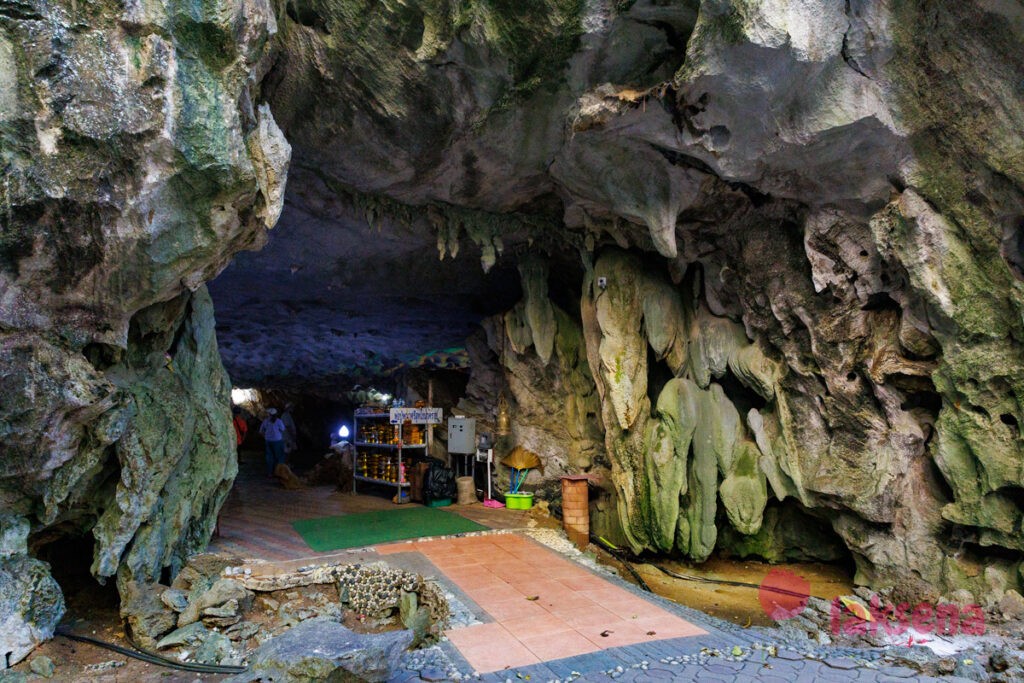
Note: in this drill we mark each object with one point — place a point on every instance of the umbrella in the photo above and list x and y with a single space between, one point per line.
522 459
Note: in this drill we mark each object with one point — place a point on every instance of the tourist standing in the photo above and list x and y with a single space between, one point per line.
273 430
241 426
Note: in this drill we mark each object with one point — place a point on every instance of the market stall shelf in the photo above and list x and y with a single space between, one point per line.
386 442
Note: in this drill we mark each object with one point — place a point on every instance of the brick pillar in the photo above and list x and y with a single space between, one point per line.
576 509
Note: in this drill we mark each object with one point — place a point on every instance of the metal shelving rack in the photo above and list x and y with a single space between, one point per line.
392 451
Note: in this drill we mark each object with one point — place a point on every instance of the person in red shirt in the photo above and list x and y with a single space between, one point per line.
241 426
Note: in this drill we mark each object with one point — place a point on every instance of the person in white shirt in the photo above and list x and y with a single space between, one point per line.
273 429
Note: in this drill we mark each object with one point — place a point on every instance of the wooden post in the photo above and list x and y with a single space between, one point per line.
430 428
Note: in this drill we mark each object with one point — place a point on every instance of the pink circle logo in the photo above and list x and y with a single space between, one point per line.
783 594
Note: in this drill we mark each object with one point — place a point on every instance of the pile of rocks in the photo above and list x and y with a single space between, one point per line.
990 649
378 591
216 612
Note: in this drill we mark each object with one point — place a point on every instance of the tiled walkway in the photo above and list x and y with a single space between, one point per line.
544 607
580 626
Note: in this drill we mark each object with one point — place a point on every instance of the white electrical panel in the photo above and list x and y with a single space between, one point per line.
461 435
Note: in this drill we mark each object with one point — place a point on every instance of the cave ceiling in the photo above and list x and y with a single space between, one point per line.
332 301
402 148
413 138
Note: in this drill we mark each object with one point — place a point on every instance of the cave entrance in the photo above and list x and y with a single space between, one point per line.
90 606
303 511
336 312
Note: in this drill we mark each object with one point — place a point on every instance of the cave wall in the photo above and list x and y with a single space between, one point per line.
847 181
135 163
807 215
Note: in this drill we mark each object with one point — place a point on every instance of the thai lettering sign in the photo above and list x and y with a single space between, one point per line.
420 416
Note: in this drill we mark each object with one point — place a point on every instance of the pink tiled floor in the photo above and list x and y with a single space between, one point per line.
544 607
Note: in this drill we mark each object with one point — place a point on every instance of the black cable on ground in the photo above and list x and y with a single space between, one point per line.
619 555
151 657
727 582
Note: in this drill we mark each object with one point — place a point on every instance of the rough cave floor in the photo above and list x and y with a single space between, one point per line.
543 616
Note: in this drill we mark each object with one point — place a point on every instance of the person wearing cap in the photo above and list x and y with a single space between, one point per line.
273 430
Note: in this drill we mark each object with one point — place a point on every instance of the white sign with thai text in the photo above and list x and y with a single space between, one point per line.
420 416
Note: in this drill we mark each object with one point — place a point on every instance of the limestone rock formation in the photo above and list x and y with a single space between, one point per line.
31 602
322 649
775 249
30 609
135 163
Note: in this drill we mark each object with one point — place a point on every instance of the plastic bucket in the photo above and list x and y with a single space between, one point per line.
519 501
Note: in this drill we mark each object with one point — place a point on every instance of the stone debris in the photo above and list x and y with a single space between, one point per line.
220 593
1011 606
43 666
192 635
557 541
242 631
267 603
146 614
228 609
224 616
216 648
175 599
305 576
320 649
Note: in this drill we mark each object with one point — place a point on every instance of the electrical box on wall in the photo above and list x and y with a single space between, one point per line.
461 435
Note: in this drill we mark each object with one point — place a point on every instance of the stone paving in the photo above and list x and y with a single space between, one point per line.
724 652
252 525
538 605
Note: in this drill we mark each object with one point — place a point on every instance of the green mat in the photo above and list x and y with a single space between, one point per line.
371 528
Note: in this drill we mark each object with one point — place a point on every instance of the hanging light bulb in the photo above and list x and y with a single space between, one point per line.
503 426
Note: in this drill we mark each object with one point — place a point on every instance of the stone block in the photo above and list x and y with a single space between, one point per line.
320 649
31 606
